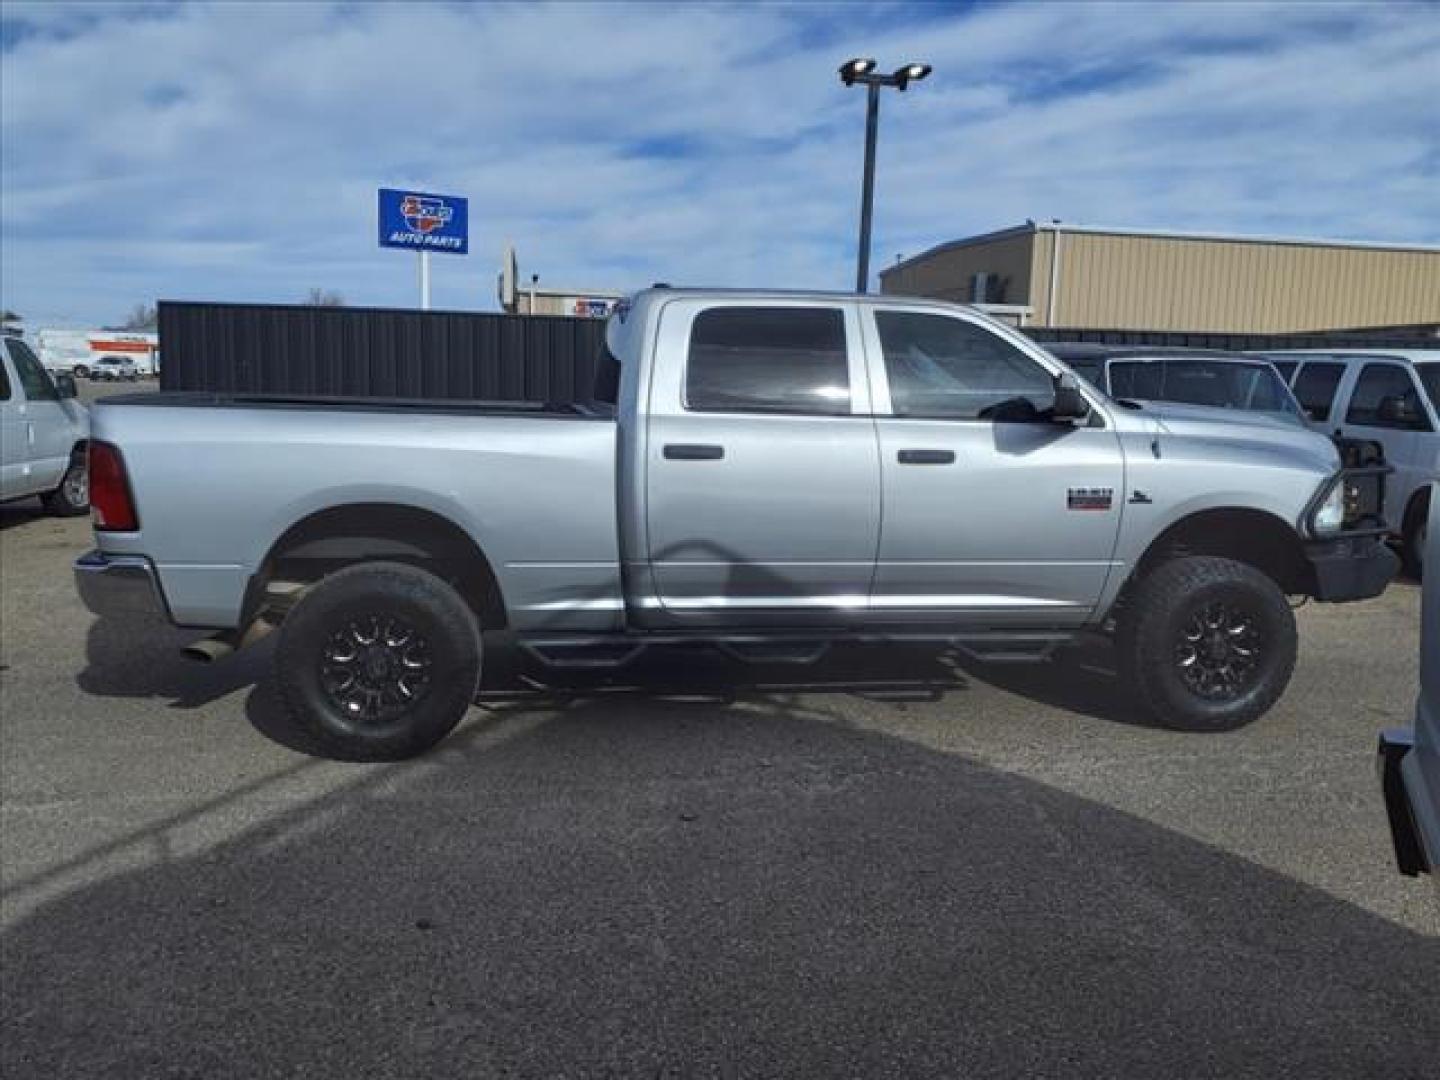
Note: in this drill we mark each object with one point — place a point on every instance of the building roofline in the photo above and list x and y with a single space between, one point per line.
966 241
560 290
1031 228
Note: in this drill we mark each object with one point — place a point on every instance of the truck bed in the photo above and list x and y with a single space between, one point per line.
217 478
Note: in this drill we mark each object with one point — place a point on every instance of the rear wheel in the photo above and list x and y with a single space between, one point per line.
72 497
378 662
1207 644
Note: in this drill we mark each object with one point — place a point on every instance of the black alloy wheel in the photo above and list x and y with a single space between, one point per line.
375 668
1206 643
376 662
1219 651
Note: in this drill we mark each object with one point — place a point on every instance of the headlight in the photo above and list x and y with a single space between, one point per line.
1330 514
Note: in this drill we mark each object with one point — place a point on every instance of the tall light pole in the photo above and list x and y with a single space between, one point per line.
862 71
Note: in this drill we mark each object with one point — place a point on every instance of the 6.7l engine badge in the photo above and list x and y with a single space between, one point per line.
1090 498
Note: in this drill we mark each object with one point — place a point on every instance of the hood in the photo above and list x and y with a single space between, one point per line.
1174 411
1237 427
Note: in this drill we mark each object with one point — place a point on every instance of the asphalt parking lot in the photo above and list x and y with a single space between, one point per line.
890 864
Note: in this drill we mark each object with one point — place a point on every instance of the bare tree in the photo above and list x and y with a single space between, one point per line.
324 298
142 317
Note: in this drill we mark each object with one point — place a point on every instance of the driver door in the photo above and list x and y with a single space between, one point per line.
992 512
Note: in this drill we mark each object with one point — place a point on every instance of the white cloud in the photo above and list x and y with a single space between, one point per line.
232 152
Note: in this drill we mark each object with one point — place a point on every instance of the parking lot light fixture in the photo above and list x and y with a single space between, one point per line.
862 71
911 73
853 69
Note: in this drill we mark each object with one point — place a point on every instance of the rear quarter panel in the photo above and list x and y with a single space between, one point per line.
216 487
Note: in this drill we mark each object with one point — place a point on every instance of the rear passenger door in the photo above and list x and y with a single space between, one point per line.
44 434
14 453
762 475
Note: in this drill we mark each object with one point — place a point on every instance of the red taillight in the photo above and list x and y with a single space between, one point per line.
111 507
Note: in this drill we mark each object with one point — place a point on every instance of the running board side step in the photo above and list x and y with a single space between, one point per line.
617 650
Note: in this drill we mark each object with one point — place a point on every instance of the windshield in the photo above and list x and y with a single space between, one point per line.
1430 378
1225 384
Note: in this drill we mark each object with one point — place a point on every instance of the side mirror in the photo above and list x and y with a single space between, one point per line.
1396 411
65 385
1070 404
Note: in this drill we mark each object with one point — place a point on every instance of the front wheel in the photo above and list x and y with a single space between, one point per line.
377 662
1207 644
72 497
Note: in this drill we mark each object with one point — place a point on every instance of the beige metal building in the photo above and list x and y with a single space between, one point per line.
1126 279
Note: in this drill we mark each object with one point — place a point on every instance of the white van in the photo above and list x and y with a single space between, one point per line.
1391 396
43 433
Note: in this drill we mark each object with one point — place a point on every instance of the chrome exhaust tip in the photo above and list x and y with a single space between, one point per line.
208 650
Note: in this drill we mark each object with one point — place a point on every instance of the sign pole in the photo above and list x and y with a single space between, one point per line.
424 223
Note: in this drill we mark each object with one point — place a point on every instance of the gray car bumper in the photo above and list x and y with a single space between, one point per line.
119 585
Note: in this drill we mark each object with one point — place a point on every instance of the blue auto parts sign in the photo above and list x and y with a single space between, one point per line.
421 221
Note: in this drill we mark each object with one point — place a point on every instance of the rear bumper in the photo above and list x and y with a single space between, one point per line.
119 585
1351 568
1395 744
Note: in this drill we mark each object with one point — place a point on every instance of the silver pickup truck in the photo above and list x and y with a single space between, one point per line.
767 472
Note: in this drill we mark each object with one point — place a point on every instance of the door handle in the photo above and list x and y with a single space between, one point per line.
927 457
693 452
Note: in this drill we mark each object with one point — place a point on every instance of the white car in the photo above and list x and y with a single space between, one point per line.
43 433
1391 396
114 369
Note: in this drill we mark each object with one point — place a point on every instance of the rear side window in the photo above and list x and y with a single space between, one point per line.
4 384
1315 388
1378 382
34 379
758 359
949 369
1286 368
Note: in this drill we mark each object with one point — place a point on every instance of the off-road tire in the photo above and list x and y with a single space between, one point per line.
418 600
72 497
1153 623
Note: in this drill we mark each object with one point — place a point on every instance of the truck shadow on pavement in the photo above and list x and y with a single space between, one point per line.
746 888
21 512
141 658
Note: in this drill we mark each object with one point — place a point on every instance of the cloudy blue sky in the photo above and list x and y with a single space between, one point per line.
232 151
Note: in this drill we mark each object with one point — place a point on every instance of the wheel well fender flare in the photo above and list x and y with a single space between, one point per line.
1417 506
1258 538
343 535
